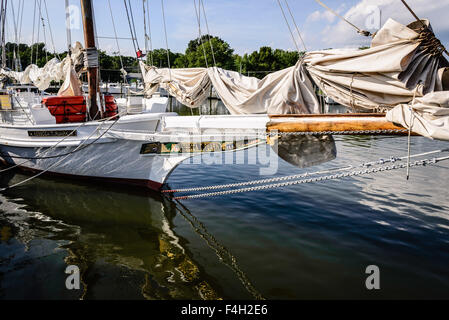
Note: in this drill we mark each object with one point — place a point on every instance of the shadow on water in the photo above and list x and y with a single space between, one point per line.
122 240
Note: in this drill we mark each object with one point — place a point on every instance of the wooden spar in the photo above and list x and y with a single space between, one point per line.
89 40
334 122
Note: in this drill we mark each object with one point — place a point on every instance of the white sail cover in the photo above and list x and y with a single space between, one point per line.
402 62
289 91
427 116
54 70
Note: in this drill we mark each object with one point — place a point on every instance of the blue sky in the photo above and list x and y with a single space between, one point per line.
246 25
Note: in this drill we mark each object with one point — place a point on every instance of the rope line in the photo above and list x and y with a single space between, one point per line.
166 38
150 38
223 254
360 31
318 179
296 26
303 175
200 36
133 36
116 41
208 33
51 32
288 25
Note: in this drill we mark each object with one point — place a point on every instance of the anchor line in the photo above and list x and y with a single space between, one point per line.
303 175
222 253
317 179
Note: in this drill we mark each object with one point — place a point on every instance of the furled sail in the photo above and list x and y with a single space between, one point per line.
54 70
289 91
427 116
71 86
403 62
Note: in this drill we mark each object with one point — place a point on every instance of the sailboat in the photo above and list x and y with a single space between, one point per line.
92 140
72 136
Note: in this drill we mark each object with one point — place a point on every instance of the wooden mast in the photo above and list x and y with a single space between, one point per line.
92 67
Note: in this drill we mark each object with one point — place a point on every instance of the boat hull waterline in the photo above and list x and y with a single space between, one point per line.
114 151
122 151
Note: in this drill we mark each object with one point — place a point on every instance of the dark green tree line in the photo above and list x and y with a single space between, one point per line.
214 50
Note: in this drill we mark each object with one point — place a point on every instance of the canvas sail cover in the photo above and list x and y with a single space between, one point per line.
427 116
71 86
54 70
402 62
289 91
403 72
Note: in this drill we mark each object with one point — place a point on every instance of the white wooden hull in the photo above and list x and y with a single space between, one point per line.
117 161
93 154
113 150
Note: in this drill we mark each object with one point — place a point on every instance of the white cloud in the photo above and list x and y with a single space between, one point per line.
321 15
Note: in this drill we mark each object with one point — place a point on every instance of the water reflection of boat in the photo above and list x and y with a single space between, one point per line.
136 240
307 151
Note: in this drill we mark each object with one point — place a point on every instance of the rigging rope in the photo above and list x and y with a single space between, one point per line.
288 25
166 38
116 41
38 33
360 31
149 33
438 43
32 36
208 33
3 14
16 51
68 27
145 26
43 30
133 36
296 26
133 24
200 36
20 32
409 141
51 32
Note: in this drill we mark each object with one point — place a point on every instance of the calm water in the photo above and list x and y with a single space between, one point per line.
306 241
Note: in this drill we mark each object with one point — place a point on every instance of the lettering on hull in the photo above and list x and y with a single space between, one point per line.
53 133
197 147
